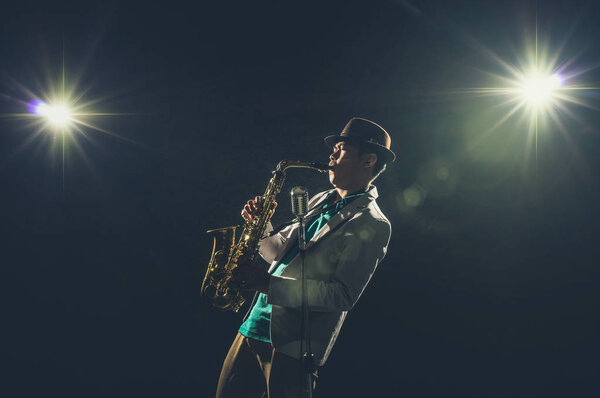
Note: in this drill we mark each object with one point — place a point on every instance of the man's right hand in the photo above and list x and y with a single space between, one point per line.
253 207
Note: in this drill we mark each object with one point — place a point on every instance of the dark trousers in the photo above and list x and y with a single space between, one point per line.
254 369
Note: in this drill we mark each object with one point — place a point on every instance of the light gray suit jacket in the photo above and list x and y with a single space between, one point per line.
340 260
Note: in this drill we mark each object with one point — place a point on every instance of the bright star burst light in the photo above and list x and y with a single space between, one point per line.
542 89
58 116
62 111
539 89
58 110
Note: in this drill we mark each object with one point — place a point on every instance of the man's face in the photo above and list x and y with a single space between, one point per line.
346 161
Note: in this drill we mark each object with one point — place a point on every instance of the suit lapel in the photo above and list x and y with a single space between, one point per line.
344 215
285 248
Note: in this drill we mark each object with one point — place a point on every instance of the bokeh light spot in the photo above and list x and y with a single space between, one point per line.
365 234
443 173
412 196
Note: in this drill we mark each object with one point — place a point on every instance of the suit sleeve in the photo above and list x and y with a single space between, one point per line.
362 251
271 245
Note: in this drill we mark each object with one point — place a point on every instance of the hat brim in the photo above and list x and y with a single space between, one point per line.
387 155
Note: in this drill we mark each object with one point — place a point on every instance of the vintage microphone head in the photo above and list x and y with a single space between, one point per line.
299 196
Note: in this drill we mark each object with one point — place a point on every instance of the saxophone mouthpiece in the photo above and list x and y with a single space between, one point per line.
322 167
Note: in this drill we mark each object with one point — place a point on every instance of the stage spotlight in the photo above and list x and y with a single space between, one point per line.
57 115
538 89
58 108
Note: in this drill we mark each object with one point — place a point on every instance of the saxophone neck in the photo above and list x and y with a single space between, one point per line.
287 164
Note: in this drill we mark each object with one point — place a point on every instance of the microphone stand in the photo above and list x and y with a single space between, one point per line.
307 356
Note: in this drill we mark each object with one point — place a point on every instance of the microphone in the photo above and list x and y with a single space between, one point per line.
299 196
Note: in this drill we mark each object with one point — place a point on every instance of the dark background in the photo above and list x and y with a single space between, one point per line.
489 288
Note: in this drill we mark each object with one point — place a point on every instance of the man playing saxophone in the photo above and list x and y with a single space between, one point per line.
346 237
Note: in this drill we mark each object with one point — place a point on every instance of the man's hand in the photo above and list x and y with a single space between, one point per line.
249 276
253 207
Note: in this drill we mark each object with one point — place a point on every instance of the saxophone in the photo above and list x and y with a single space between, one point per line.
226 254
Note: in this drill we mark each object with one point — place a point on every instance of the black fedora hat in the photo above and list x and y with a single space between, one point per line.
368 134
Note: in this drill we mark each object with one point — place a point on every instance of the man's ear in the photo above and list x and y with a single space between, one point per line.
369 160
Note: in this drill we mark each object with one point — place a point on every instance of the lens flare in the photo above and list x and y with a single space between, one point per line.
58 116
539 89
64 110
